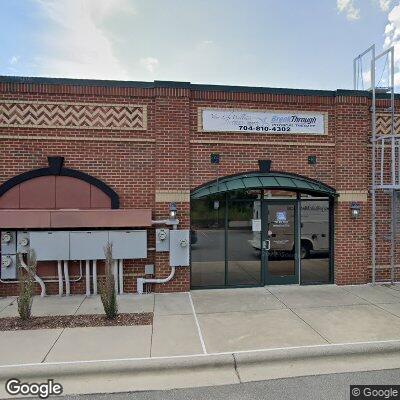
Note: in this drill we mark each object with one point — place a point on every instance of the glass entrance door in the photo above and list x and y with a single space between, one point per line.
280 237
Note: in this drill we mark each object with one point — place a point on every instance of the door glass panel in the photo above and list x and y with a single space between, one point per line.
314 241
243 243
280 231
208 241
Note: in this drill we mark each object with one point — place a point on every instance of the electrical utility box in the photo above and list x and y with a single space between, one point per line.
128 244
162 239
9 266
23 242
88 245
50 245
8 242
179 248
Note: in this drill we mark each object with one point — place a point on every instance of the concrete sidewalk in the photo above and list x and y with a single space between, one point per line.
235 322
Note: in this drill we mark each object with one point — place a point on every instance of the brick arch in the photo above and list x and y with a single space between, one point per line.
56 187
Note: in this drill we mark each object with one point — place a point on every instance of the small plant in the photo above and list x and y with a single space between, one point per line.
108 293
26 280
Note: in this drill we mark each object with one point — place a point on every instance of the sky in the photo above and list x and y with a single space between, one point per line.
274 43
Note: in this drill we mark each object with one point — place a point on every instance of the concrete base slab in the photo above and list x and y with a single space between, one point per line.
175 335
102 343
91 305
56 305
393 308
5 302
134 303
172 304
314 296
226 332
357 323
22 347
229 300
375 294
10 309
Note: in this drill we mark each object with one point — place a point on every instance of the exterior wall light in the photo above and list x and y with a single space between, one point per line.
172 211
355 210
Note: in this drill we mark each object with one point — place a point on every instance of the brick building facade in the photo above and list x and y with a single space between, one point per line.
144 140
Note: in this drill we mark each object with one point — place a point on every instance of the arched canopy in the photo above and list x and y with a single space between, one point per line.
264 180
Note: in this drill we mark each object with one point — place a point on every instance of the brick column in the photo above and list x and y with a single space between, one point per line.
172 174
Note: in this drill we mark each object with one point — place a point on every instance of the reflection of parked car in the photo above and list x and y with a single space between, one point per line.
193 236
314 229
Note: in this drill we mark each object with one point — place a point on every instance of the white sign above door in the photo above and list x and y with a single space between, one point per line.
309 123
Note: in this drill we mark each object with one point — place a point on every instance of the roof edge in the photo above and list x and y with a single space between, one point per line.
187 85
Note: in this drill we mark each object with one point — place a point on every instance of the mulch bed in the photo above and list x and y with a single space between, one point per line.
74 321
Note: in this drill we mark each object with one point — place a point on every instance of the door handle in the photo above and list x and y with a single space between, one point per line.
266 245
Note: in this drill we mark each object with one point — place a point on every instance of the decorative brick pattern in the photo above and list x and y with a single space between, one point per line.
29 114
383 124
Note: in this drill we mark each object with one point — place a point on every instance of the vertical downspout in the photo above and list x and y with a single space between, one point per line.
60 278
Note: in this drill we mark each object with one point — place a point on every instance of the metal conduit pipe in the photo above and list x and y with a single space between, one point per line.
121 276
94 276
115 274
142 281
87 274
37 279
60 278
66 275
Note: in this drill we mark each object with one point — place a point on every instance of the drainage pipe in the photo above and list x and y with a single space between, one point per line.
37 279
121 276
66 275
94 276
60 278
115 273
87 274
142 281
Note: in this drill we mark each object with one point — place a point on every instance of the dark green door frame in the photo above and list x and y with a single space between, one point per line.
267 278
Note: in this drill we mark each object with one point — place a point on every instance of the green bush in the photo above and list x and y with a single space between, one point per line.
108 294
26 285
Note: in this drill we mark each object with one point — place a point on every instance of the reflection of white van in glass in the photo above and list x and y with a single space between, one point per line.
314 227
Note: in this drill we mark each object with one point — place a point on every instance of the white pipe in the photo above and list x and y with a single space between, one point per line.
37 279
94 276
66 276
115 273
121 276
142 281
87 274
60 278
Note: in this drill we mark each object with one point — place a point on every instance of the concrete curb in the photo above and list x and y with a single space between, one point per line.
207 369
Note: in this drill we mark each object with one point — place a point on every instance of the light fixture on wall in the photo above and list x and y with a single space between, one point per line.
172 211
355 210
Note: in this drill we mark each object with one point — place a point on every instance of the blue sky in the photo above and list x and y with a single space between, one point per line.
277 43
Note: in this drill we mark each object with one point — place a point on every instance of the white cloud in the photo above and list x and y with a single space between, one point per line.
14 60
78 46
149 63
349 9
385 4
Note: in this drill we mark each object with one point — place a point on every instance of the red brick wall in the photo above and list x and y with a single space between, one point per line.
173 155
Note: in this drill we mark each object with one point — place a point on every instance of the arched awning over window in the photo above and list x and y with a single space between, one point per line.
264 180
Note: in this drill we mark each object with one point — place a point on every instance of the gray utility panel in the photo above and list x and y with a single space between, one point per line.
88 245
162 239
23 242
8 242
179 248
128 244
50 245
9 266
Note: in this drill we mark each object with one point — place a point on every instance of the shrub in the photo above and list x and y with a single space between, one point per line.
108 293
26 285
